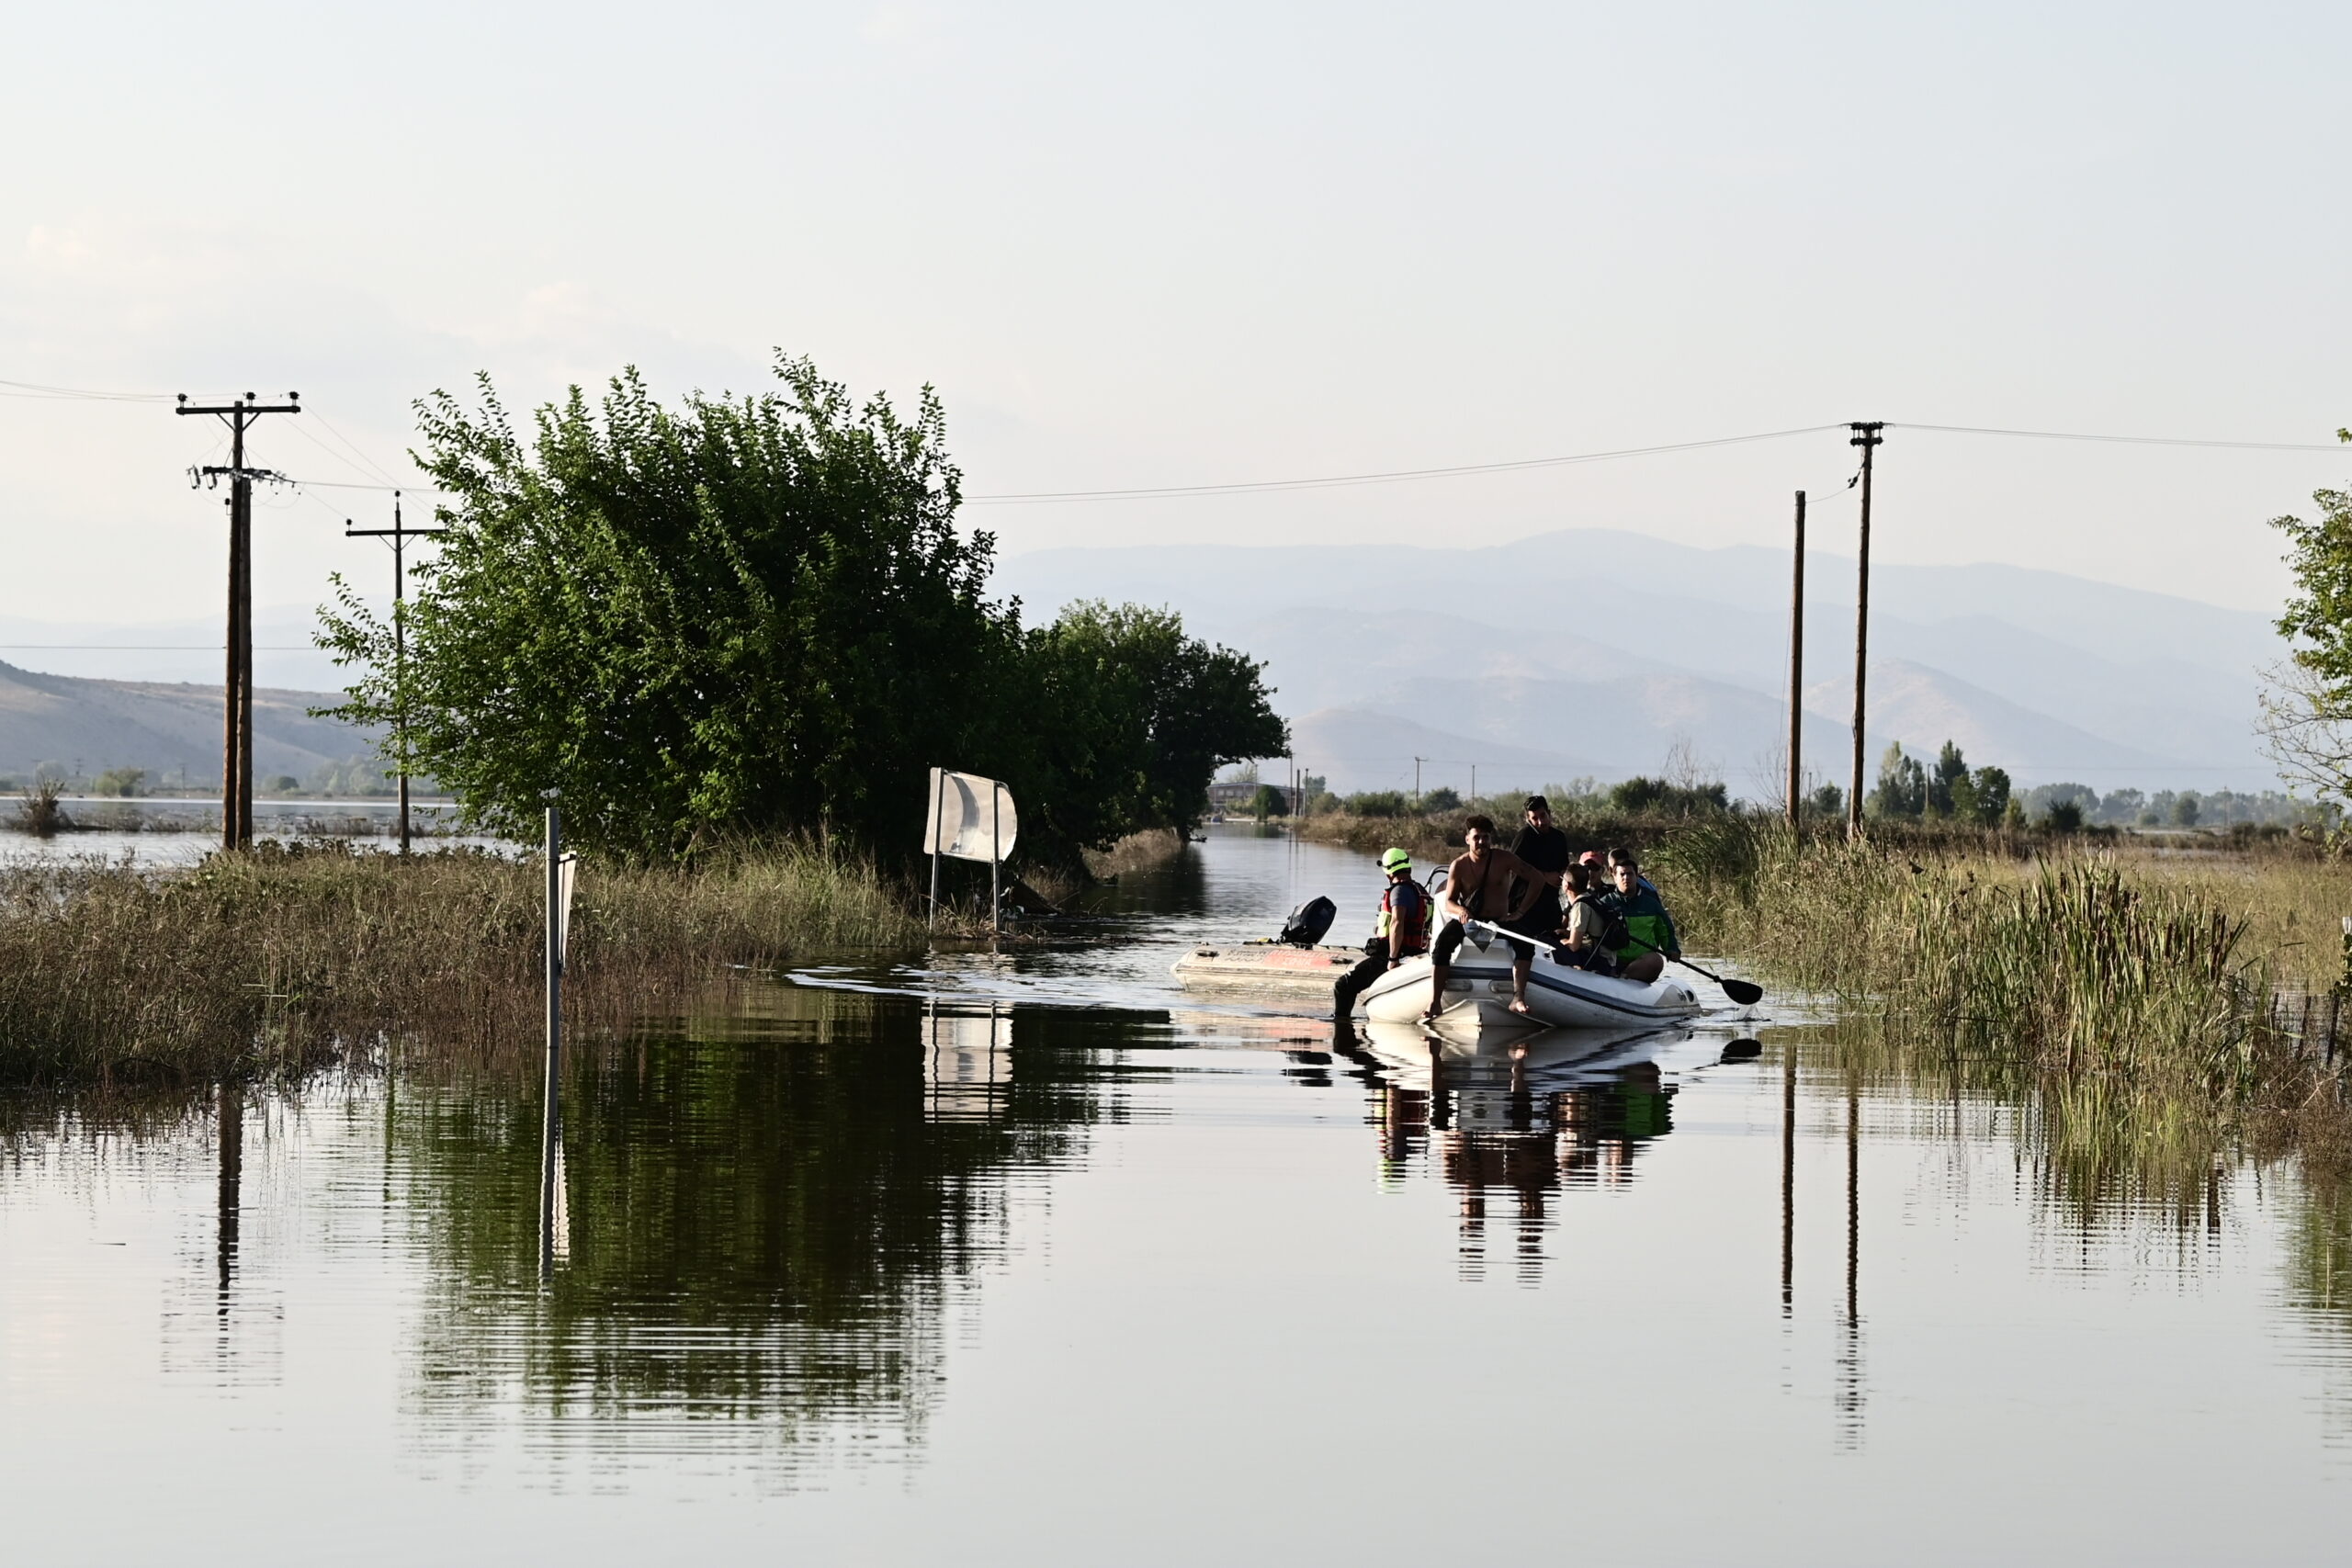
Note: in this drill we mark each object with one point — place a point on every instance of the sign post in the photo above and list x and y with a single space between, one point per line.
561 870
971 818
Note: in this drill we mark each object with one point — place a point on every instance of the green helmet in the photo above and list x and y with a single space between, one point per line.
1395 861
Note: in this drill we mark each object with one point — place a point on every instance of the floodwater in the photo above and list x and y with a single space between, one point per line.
169 833
1038 1261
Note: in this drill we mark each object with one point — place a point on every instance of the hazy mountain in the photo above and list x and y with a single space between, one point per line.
1621 645
187 649
1357 749
172 730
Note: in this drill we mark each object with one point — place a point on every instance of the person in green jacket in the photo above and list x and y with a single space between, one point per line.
1649 925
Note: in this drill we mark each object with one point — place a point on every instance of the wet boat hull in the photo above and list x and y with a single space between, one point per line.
1478 994
1272 966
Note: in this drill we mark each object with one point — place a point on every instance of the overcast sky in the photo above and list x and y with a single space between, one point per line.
1199 244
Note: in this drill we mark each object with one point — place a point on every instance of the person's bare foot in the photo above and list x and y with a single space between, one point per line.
1518 1004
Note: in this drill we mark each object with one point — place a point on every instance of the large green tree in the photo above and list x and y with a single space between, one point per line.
1140 716
756 614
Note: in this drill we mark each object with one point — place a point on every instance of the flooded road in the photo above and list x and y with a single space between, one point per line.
1036 1260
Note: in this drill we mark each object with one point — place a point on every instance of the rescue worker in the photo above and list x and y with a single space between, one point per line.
1402 931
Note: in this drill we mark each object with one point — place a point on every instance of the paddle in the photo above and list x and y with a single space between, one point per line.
1745 992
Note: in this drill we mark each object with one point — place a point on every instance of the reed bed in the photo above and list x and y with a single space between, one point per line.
2143 1014
279 961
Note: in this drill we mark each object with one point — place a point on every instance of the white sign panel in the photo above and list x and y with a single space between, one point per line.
566 871
971 817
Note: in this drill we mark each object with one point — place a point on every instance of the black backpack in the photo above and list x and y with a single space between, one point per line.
1309 922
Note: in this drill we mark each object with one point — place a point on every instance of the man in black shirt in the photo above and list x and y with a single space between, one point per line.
1545 847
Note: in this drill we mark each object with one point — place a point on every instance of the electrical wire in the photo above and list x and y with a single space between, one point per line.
1249 487
79 394
2338 447
366 462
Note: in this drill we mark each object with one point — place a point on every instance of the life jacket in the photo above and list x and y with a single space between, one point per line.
1409 916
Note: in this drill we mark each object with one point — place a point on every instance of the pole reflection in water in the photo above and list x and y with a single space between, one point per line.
774 1219
1788 1179
1849 1394
231 1134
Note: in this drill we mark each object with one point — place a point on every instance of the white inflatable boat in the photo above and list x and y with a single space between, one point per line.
1477 996
1267 967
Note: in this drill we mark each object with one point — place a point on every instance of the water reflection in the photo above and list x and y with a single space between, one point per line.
1517 1119
759 1224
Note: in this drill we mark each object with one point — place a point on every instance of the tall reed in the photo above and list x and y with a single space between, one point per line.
277 960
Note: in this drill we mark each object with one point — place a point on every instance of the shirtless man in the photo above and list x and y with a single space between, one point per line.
1484 875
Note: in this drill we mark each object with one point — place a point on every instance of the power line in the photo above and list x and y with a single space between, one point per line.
85 394
2129 440
1391 476
1261 486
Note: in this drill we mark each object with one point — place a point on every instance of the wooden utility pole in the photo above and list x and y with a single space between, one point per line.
237 695
399 536
1796 679
1867 437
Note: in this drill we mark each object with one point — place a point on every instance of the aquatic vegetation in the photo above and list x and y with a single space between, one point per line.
282 959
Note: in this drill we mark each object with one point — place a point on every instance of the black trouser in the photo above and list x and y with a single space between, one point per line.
1358 980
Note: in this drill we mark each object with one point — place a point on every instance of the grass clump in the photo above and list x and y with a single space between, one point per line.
283 959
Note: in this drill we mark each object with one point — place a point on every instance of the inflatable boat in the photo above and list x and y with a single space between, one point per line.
1267 967
1478 990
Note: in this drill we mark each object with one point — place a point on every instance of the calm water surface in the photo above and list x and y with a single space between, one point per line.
1036 1260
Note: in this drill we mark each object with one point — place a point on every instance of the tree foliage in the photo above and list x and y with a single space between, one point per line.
1950 790
756 614
2306 721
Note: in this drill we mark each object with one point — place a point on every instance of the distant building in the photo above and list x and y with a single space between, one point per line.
1235 797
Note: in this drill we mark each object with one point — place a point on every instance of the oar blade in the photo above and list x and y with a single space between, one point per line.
1745 993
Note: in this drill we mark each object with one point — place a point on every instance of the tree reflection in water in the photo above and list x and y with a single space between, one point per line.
767 1216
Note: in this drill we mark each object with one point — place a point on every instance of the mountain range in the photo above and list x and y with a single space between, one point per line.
81 726
1580 653
1595 652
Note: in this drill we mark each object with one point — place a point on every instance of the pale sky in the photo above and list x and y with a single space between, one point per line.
1201 244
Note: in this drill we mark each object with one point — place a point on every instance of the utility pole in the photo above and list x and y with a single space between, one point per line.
1796 679
237 695
1416 783
1867 437
399 536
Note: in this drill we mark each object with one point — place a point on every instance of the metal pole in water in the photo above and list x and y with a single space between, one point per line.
551 1121
996 857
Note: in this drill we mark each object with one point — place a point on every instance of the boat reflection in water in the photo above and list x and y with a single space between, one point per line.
1522 1116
